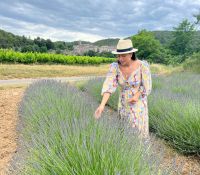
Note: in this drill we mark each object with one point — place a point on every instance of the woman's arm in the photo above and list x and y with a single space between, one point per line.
135 97
100 109
105 98
146 86
109 86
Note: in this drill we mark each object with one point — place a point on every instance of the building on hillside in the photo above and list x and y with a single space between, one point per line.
82 48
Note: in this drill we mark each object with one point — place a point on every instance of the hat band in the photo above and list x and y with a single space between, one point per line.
124 50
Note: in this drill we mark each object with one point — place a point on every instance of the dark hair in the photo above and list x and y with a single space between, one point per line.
133 56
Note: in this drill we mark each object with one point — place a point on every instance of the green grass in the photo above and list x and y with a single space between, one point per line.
193 63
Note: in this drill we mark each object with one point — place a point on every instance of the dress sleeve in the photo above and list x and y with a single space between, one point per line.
110 84
146 83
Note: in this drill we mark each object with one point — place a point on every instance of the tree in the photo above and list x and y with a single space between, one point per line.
27 48
36 48
183 36
40 42
60 45
196 42
49 44
148 47
197 16
43 49
69 46
106 54
90 53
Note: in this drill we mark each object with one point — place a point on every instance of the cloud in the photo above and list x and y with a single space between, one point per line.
92 19
56 34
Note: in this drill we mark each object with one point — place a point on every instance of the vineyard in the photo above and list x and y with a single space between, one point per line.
10 56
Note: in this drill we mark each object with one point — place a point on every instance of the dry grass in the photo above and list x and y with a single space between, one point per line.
163 69
13 86
10 71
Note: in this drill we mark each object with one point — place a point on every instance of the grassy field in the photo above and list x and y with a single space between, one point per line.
164 69
10 71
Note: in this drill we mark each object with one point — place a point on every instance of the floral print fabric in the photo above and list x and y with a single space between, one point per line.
139 80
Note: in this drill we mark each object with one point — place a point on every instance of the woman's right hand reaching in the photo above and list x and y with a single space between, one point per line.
98 112
100 109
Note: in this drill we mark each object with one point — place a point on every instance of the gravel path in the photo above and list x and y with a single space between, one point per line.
62 79
31 80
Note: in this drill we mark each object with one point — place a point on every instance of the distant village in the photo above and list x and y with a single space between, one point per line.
81 48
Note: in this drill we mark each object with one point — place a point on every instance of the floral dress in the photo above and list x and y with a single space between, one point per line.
139 80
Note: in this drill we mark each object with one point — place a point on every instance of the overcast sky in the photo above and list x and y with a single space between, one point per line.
91 20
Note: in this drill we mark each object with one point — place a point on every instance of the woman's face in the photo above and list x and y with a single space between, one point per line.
124 59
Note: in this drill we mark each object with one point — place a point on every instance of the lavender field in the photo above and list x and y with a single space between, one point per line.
174 109
60 136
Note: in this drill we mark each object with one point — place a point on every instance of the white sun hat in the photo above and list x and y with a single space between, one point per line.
124 46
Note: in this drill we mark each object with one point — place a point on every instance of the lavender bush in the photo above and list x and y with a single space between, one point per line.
62 137
175 112
174 109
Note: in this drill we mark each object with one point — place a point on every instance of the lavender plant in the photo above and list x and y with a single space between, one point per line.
62 137
174 109
175 112
93 87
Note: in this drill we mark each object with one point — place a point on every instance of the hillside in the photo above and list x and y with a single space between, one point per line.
24 44
107 42
8 40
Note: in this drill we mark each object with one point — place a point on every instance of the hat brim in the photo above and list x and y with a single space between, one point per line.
130 51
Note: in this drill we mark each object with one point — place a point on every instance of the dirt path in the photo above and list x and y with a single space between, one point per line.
9 100
31 80
190 166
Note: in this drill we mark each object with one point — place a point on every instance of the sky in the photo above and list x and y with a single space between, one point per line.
92 20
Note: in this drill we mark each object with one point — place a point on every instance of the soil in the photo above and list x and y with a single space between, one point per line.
9 100
188 165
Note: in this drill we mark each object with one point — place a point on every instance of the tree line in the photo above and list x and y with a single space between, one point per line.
24 44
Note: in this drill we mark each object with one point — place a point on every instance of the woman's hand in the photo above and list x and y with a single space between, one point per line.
98 111
135 98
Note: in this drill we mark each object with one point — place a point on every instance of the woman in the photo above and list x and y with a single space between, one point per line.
133 77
